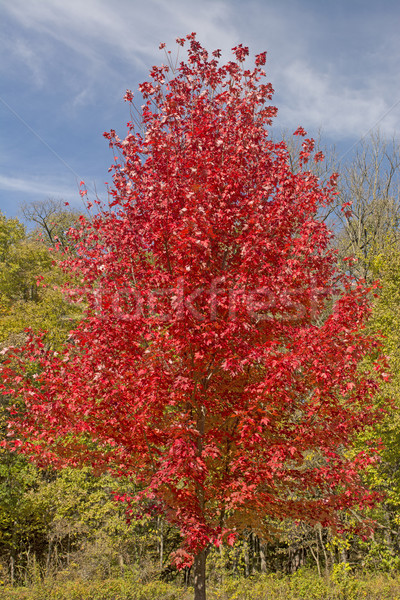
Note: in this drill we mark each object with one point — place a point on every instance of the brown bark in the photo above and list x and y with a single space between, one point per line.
199 568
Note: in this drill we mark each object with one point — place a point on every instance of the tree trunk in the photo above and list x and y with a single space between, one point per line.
263 558
246 559
199 564
199 568
48 558
324 551
161 530
121 564
12 563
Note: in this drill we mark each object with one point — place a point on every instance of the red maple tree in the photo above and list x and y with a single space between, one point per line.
207 367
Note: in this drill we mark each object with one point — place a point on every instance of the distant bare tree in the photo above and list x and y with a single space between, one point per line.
370 187
52 218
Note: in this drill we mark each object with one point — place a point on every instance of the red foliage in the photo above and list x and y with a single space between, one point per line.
205 367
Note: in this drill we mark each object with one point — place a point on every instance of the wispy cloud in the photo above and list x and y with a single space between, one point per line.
313 69
345 111
36 186
98 32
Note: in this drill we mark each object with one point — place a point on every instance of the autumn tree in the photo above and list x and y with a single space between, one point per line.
201 369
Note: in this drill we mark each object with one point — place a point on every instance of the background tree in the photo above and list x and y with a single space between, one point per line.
31 284
369 190
386 320
30 297
198 369
52 218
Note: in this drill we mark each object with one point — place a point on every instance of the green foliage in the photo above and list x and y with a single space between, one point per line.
380 556
22 523
31 295
31 287
11 232
68 524
112 589
306 585
386 320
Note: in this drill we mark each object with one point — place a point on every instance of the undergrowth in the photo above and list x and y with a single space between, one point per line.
303 585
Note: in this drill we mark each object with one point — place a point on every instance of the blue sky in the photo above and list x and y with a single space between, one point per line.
66 64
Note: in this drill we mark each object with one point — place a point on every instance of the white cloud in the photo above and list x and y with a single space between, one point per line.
97 30
38 186
325 98
328 71
25 54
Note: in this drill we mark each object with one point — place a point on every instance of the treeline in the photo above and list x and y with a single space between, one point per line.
67 524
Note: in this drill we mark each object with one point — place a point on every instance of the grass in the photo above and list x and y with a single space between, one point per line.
304 585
